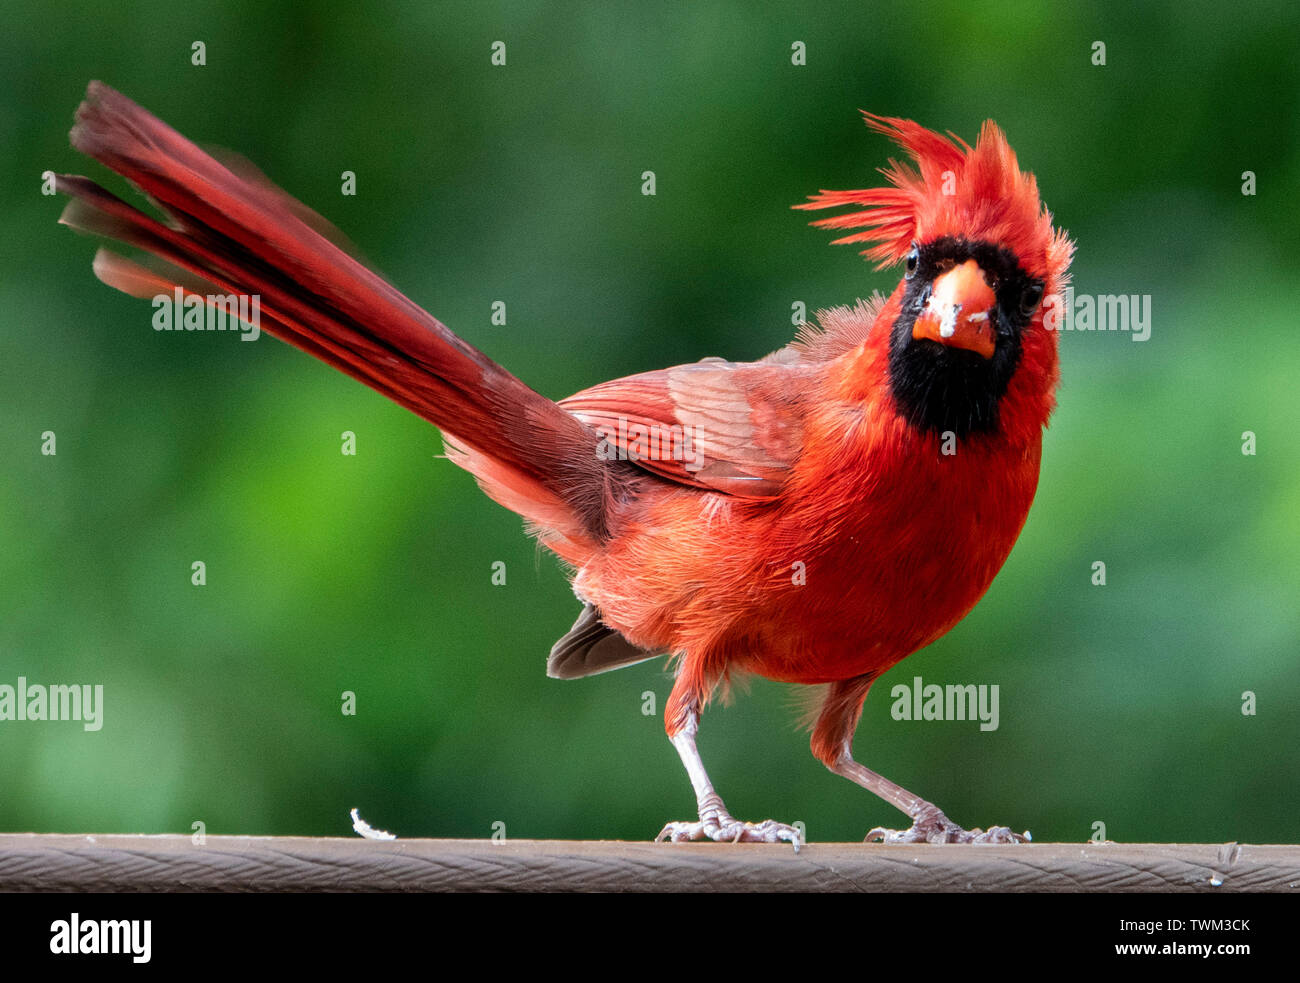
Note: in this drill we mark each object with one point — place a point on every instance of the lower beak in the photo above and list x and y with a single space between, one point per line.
960 311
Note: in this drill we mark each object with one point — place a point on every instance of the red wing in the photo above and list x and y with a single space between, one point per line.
728 427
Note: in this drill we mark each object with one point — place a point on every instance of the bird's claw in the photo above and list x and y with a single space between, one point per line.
938 828
722 828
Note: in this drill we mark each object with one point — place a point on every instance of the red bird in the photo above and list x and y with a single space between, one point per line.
812 517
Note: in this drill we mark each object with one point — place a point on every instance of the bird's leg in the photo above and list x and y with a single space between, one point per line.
833 743
715 823
929 824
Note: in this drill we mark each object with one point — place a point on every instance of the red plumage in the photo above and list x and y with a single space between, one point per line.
796 517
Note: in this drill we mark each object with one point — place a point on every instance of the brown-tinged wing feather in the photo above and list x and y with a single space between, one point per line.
730 427
592 647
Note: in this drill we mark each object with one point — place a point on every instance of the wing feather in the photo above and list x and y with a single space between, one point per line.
730 427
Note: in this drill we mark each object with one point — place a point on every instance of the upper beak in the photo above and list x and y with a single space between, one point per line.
960 310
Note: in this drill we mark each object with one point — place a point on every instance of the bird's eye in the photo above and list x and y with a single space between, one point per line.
1030 297
913 258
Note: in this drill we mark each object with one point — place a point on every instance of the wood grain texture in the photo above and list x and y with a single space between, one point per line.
43 862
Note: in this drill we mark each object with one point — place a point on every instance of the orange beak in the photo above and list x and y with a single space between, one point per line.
960 311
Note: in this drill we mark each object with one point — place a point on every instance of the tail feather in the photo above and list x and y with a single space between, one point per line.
232 230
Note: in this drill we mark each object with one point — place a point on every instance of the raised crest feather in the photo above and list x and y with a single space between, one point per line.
948 189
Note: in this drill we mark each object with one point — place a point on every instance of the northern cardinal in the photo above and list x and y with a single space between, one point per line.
812 517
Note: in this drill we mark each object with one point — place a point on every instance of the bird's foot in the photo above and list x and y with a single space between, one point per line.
716 824
935 827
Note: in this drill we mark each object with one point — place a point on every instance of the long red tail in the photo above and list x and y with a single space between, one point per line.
233 232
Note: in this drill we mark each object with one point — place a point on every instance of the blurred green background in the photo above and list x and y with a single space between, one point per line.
325 573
